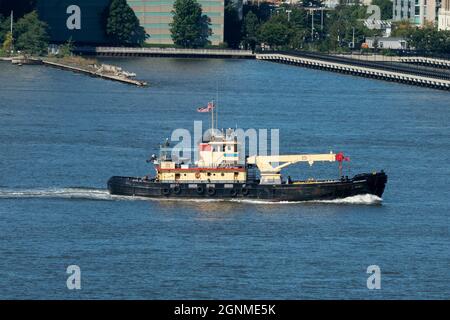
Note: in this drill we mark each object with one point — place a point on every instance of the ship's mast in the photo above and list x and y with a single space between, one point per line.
217 106
212 118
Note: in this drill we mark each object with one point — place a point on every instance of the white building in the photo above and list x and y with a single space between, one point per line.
394 43
444 15
418 12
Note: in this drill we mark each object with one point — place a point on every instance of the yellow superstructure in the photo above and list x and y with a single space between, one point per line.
218 162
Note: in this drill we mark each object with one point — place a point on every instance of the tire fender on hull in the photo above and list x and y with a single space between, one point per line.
177 189
200 190
211 191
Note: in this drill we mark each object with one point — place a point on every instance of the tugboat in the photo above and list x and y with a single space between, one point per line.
218 174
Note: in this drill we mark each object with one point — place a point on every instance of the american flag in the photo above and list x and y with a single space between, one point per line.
208 108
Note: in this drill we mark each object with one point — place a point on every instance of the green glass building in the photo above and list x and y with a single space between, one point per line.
81 20
84 21
155 16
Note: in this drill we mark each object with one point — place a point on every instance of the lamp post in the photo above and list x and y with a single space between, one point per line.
12 37
289 14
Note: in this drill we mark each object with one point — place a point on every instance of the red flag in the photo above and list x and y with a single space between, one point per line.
340 157
208 108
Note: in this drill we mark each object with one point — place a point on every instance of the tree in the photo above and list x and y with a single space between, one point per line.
66 49
4 27
263 10
123 26
429 40
2 32
342 21
298 18
402 28
31 34
232 27
7 43
275 34
189 28
298 38
250 30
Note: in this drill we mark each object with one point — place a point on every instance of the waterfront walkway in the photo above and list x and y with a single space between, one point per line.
364 69
166 52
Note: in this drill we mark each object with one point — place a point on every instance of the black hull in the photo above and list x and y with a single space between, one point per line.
370 183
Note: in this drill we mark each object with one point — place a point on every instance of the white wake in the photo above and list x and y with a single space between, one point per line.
367 199
103 194
65 193
364 199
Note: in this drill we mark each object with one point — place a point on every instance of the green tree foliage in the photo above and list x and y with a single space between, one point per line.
275 33
2 33
250 29
385 8
66 49
298 18
402 29
335 34
429 40
7 43
341 24
425 40
31 35
232 28
123 26
285 30
4 27
190 27
262 11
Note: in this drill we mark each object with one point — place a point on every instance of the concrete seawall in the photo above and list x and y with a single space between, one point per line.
95 74
358 70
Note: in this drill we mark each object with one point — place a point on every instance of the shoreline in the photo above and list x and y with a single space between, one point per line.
114 74
97 74
375 68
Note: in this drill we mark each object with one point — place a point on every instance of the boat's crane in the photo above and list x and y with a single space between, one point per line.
270 166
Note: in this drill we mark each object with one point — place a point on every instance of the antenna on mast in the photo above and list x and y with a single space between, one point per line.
217 106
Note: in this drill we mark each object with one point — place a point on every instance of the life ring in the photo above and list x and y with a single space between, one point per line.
245 191
211 191
176 189
197 175
233 192
166 191
200 190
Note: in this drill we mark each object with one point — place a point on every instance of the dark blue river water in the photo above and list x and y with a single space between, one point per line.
62 135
